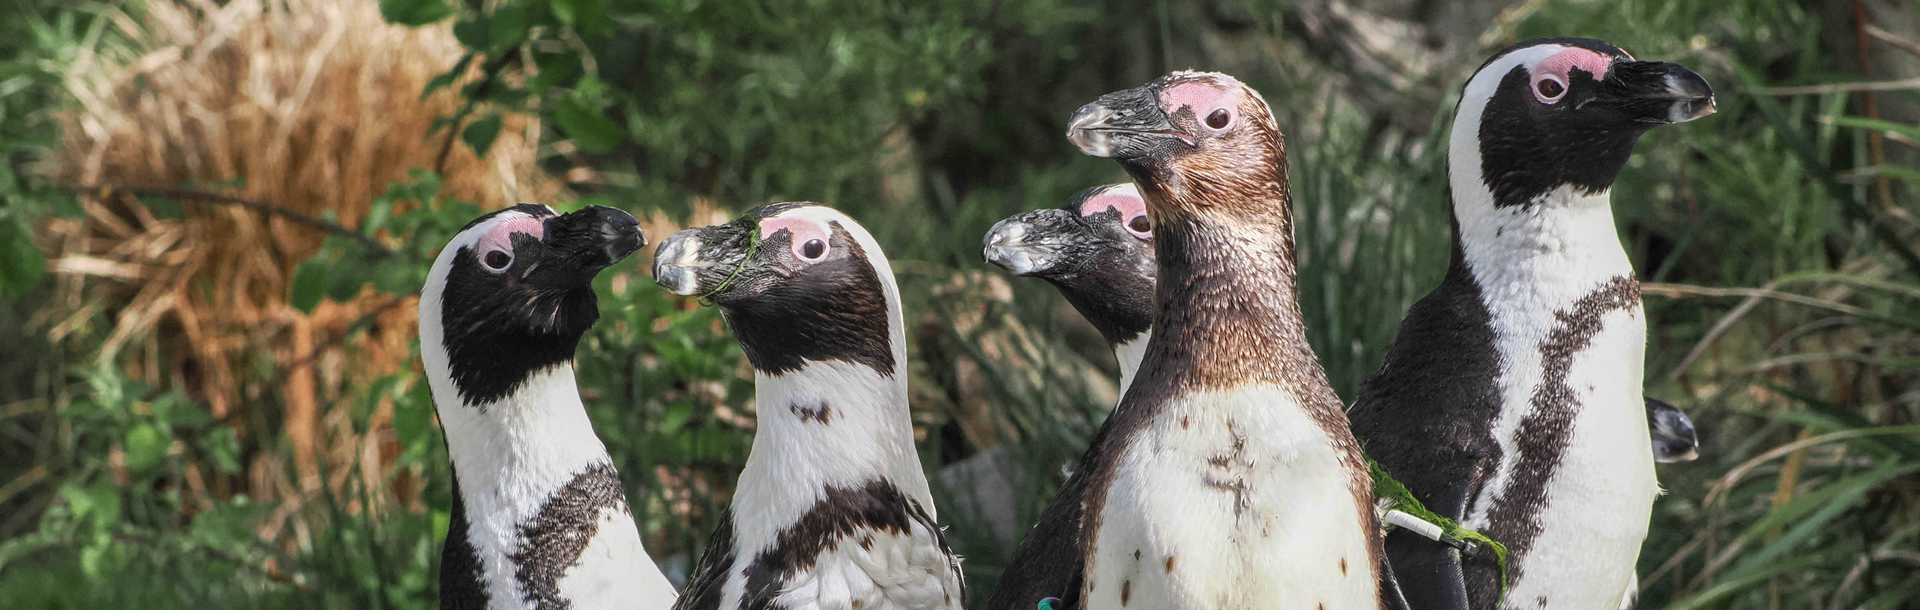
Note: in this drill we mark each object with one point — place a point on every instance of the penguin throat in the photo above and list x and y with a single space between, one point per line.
1228 313
828 423
531 441
1128 354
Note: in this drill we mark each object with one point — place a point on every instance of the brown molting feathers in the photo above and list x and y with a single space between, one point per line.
1199 139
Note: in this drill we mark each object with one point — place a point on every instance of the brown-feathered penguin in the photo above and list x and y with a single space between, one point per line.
539 517
832 510
1226 477
1511 398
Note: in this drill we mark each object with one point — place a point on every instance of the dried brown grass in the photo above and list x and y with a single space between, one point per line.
313 106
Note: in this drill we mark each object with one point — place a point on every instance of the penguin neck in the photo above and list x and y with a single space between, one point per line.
1226 299
1129 353
1546 254
831 423
524 446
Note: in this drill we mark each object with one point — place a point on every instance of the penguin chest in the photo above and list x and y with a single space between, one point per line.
1579 484
1233 499
857 548
577 545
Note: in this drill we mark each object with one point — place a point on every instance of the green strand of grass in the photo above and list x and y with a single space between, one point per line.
1384 486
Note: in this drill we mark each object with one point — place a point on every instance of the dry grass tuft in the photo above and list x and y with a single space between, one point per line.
313 106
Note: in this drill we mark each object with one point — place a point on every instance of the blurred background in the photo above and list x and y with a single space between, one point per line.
217 214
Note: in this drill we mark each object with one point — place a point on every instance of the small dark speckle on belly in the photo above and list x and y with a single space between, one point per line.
1542 600
1126 591
1343 566
1169 564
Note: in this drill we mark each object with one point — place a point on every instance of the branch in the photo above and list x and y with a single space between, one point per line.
332 228
1884 85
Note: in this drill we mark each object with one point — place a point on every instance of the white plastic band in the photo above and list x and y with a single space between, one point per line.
1414 524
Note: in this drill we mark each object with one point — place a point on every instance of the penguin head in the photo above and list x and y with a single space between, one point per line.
1098 250
1204 139
796 282
512 292
1548 114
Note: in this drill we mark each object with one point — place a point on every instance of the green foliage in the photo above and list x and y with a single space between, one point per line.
931 121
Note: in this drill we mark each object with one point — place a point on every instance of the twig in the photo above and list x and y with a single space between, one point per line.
332 228
1884 85
1889 38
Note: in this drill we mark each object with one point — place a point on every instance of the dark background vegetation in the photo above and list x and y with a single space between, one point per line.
216 214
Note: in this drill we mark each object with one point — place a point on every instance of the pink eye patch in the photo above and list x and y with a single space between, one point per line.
501 236
1128 206
1562 64
802 229
1201 97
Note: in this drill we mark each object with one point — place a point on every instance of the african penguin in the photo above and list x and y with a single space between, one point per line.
539 519
1511 398
1226 477
832 509
1098 250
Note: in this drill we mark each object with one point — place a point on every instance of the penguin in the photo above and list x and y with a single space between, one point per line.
539 517
1673 436
1098 251
1226 477
1510 400
832 509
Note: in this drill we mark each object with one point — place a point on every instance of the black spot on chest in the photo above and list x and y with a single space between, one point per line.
821 413
552 542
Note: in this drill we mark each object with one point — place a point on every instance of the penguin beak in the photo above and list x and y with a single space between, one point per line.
1034 243
581 244
1657 92
696 262
1125 124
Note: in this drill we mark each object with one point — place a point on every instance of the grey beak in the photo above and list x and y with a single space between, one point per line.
677 263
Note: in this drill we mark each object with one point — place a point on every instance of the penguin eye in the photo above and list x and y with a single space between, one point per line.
1220 119
1141 226
813 249
496 260
1548 88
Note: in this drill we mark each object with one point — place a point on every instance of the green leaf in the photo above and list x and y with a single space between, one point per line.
146 446
445 79
21 264
222 445
414 13
480 134
508 27
591 130
473 33
309 285
1879 125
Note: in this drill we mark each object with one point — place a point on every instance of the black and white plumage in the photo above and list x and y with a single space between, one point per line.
1673 436
1511 398
1226 477
539 516
1098 250
832 509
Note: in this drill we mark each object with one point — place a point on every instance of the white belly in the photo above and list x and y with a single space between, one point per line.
615 572
1231 500
1599 499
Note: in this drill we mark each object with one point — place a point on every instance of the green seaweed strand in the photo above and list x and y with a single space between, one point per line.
1385 486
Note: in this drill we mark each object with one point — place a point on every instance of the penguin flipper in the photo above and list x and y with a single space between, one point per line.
1049 561
1427 572
1672 431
